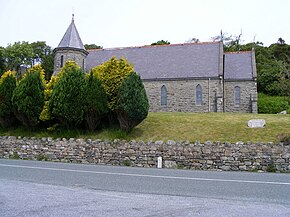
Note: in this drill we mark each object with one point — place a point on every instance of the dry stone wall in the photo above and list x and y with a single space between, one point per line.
208 156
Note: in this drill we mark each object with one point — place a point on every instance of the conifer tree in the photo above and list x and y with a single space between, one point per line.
132 102
96 104
67 100
7 86
28 97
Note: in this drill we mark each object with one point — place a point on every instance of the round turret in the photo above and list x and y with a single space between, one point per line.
70 48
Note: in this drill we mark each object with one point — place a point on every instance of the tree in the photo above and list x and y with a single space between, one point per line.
45 114
28 97
273 69
92 46
17 54
96 104
7 86
67 99
2 60
231 42
281 41
47 64
40 50
111 74
132 104
42 53
192 40
161 42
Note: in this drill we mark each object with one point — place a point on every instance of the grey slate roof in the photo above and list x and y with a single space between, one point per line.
71 38
194 60
238 65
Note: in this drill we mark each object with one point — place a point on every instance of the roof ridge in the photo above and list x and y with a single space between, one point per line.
239 52
149 46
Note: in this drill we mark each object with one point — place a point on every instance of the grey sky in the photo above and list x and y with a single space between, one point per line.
121 23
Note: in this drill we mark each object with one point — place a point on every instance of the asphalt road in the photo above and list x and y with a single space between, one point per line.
32 188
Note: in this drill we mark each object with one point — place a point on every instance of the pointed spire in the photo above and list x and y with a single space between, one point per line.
71 37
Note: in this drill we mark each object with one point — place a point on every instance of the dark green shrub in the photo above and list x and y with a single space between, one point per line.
28 97
127 163
271 168
132 102
7 86
96 104
67 99
272 104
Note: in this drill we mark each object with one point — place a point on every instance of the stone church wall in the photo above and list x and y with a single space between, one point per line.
181 95
248 94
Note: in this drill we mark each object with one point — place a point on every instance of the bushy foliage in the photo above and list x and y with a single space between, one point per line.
272 104
96 102
161 42
7 86
26 54
132 103
67 98
46 113
28 96
111 74
273 65
111 90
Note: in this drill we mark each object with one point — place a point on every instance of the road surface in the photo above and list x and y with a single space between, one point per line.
33 188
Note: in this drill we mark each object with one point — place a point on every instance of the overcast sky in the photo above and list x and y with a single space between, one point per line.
122 23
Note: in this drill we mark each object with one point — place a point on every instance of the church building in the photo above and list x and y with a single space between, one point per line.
189 77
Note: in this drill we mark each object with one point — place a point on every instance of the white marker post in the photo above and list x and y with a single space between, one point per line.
159 162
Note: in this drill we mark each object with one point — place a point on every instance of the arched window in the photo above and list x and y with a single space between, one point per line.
61 61
198 95
163 96
237 96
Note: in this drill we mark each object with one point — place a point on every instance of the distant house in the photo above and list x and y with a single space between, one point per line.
190 77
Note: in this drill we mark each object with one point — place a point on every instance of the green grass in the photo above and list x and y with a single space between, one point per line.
231 127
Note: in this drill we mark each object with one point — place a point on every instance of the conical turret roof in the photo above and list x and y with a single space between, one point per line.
71 38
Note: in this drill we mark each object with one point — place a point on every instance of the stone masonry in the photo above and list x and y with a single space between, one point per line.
76 55
181 96
248 96
208 156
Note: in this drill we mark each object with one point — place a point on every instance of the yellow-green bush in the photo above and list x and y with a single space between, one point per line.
111 74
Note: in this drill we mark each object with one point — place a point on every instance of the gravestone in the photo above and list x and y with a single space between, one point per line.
256 123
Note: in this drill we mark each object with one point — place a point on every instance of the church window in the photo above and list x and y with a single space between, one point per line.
198 95
61 61
83 64
163 96
237 96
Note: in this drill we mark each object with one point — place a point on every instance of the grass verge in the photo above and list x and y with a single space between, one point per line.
231 127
